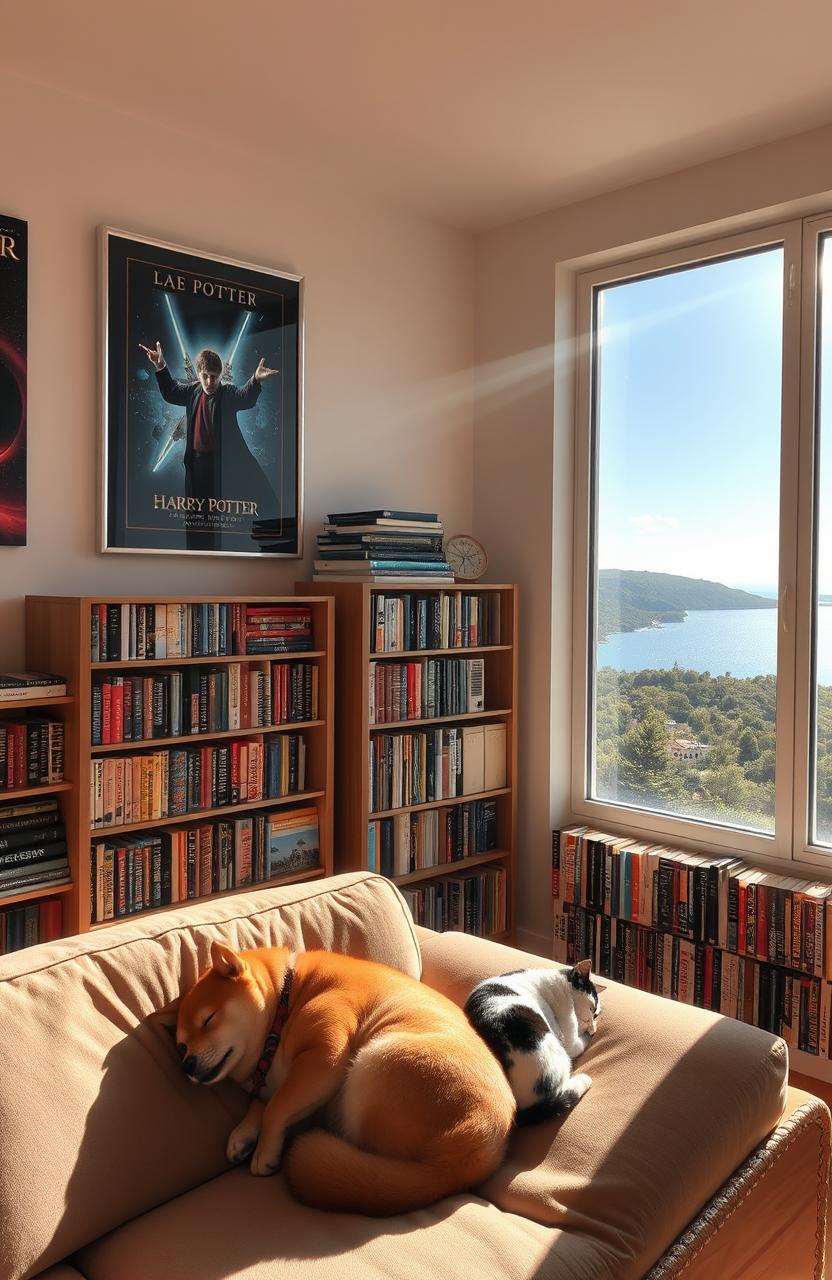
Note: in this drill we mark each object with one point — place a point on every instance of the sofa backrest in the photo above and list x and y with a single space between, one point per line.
97 1121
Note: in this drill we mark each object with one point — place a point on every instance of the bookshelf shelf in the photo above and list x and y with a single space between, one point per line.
459 652
355 733
29 704
34 895
28 793
461 716
196 739
452 868
198 815
58 638
374 814
137 664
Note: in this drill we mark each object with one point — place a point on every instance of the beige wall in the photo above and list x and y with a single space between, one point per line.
523 446
391 301
389 334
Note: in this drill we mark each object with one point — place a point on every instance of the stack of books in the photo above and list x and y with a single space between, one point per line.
391 547
17 686
33 853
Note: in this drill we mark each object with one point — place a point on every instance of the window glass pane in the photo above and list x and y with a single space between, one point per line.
821 781
686 431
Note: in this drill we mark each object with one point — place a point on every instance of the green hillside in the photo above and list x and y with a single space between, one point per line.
629 600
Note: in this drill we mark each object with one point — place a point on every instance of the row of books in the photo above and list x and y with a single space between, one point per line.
148 632
26 925
413 841
793 1005
174 864
426 688
435 764
171 783
382 546
470 902
33 850
167 704
28 686
453 620
31 753
719 900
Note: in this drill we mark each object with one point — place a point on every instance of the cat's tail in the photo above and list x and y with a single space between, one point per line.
557 1104
327 1172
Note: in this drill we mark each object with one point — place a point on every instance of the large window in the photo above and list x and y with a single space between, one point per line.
703 583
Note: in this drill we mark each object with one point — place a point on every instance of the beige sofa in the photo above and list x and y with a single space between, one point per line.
689 1156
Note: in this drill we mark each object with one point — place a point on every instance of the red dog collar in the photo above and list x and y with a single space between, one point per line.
273 1038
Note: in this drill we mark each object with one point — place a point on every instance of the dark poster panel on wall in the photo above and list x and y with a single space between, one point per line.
202 410
13 268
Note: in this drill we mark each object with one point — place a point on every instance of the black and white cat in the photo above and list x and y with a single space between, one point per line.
535 1021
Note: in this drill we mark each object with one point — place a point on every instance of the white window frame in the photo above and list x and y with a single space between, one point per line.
803 847
642 822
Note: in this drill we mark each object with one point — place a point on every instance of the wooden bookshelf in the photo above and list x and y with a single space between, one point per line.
747 950
354 731
58 639
45 708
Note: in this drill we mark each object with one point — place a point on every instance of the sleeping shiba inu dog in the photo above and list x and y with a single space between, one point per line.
419 1106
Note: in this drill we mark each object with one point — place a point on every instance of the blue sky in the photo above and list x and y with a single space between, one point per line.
689 422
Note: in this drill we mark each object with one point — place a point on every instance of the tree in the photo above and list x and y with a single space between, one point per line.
748 748
762 769
645 759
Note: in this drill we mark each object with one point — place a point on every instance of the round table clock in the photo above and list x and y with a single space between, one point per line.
466 557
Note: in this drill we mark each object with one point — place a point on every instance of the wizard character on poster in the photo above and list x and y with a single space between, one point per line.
202 402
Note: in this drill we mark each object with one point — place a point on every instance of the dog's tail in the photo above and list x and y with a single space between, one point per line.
327 1172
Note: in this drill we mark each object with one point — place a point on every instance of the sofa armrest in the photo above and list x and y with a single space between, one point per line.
761 1161
454 963
768 1221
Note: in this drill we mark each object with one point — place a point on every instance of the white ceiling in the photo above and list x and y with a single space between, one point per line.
470 111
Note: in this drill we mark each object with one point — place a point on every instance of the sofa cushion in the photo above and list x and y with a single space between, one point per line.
97 1121
63 1271
239 1227
679 1098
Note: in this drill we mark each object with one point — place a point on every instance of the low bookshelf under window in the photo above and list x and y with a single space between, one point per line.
713 931
426 780
201 738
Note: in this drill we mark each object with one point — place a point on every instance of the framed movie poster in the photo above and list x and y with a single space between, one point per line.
13 270
202 402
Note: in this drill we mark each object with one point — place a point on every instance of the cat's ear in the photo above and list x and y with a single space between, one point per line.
583 967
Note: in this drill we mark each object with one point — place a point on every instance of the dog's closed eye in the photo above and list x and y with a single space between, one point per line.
210 1018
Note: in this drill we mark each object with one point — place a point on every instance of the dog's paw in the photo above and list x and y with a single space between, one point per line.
581 1083
265 1163
241 1143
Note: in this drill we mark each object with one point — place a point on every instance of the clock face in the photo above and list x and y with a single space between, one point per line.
466 557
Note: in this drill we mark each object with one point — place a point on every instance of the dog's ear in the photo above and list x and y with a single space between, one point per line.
583 967
165 1017
225 961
